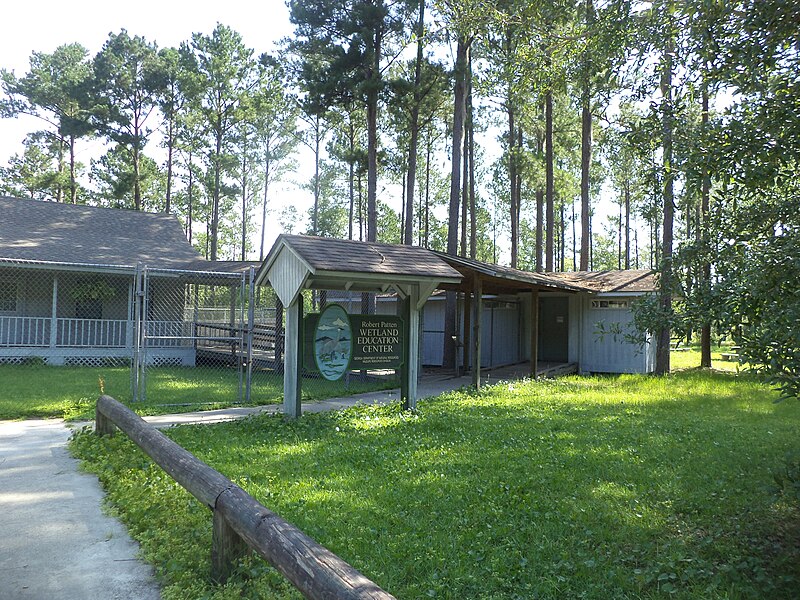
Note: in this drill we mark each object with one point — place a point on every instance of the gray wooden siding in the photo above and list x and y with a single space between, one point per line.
287 275
611 353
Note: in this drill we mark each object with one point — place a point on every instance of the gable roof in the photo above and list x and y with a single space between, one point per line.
298 262
34 230
633 281
335 255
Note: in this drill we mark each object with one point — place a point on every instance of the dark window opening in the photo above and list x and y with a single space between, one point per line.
8 295
89 308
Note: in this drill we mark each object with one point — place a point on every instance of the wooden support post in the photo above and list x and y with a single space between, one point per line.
405 313
534 333
227 547
467 330
477 310
102 424
292 358
412 341
251 319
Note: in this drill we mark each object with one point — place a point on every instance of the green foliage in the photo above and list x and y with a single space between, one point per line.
93 289
116 181
787 477
37 173
624 487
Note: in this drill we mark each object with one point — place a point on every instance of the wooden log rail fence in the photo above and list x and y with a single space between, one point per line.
239 521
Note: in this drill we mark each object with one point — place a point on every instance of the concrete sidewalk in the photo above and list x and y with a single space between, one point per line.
431 385
55 541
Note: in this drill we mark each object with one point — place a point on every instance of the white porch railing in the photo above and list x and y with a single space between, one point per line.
24 331
91 333
35 332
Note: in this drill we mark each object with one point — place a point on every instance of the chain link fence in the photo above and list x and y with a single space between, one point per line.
167 337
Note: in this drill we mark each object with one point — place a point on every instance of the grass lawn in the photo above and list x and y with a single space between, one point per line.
39 391
581 487
688 357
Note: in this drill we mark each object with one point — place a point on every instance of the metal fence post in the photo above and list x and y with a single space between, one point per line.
137 324
143 331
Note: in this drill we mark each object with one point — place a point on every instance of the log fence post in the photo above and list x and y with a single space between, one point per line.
239 521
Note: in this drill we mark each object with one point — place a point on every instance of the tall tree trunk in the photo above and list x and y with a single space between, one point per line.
267 161
518 190
665 281
459 109
414 137
170 154
705 331
315 215
137 184
586 147
59 187
473 217
350 179
464 189
549 182
244 204
73 186
360 207
215 196
372 140
512 156
619 238
627 224
562 245
512 183
428 149
574 240
586 160
540 208
190 201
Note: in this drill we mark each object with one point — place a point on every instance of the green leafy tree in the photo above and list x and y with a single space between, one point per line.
754 235
276 121
331 212
56 91
170 83
223 74
117 184
125 97
348 146
341 48
36 174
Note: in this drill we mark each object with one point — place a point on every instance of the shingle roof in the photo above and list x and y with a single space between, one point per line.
222 266
48 231
331 254
512 277
630 281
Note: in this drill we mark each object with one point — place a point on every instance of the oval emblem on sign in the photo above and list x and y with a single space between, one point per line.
333 342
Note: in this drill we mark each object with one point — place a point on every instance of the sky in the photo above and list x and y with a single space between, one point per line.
43 25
